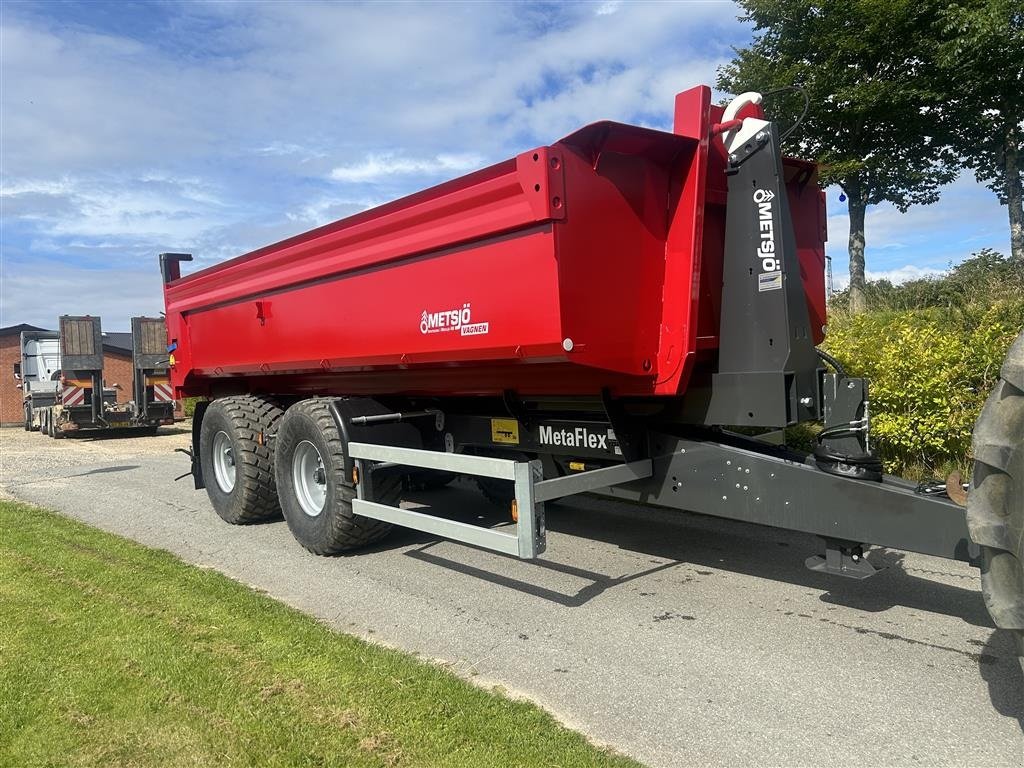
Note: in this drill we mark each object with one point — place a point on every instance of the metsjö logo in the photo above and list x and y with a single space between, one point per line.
766 227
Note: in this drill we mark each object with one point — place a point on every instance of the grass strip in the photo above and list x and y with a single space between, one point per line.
115 654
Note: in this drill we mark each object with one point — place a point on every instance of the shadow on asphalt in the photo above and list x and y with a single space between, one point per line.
122 433
680 537
105 470
1006 681
99 471
676 538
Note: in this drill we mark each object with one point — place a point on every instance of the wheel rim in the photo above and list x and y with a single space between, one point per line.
309 478
224 462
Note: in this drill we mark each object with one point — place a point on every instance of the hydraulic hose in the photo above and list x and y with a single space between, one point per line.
803 114
831 361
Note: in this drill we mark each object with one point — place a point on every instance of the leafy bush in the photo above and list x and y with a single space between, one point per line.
188 406
932 351
986 276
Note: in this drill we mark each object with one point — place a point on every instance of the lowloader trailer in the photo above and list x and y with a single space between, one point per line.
78 409
598 315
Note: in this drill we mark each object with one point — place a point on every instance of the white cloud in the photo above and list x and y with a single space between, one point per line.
896 276
966 218
152 206
16 187
116 297
330 208
377 166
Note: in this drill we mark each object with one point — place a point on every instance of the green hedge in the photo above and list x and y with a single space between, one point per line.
931 367
188 405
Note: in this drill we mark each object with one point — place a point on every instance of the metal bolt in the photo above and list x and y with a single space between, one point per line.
732 158
567 344
761 136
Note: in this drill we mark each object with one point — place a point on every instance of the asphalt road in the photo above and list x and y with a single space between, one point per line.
680 640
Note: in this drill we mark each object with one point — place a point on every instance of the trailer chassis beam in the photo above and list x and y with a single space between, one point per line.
741 479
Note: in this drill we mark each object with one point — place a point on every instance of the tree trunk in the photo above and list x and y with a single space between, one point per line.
1014 198
857 205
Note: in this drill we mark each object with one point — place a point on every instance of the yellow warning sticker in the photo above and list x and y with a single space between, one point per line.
505 431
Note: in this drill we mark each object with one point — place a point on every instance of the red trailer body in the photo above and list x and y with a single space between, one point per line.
587 317
592 263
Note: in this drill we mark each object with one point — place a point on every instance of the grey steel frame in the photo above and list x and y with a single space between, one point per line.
531 491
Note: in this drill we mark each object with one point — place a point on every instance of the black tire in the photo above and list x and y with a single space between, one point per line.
247 423
335 528
995 504
500 493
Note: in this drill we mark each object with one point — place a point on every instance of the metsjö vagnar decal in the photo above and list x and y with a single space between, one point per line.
452 320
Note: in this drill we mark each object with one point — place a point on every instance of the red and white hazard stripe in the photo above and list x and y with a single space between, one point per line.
72 395
162 393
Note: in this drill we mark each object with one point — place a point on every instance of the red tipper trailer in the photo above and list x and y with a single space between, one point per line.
593 263
587 316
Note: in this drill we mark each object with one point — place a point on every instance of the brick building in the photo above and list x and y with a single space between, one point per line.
117 369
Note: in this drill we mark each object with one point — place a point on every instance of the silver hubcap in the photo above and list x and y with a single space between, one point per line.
309 478
224 462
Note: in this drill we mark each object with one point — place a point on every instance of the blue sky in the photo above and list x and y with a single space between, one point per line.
215 128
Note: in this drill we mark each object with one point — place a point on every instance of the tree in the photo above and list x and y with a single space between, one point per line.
863 66
981 57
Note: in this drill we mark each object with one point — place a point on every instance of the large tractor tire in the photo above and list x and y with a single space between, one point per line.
316 496
995 504
237 458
